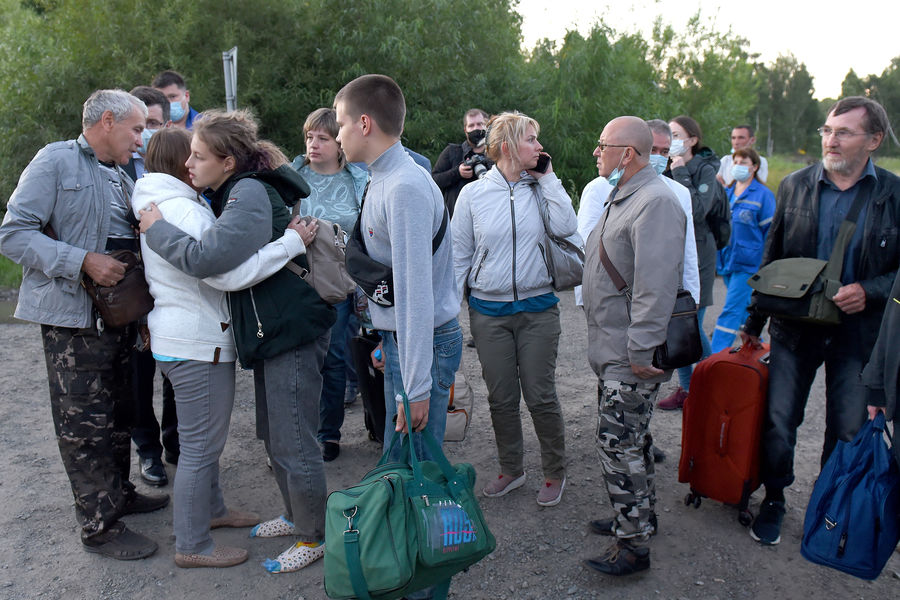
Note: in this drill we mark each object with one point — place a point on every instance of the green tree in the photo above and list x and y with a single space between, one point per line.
788 113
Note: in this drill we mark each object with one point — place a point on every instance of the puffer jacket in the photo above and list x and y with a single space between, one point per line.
794 233
498 235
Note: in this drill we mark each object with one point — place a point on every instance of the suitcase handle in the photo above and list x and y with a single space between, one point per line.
724 429
764 359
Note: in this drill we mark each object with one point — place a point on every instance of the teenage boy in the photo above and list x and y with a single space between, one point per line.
403 210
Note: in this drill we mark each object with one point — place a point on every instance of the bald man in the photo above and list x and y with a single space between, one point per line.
642 233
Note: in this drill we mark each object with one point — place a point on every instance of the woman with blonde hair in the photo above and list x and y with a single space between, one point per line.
499 256
335 194
280 324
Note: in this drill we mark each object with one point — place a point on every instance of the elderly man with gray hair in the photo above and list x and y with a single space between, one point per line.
639 240
70 207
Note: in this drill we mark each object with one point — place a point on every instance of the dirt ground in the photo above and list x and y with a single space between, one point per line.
699 553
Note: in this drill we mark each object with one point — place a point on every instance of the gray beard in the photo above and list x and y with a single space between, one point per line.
836 165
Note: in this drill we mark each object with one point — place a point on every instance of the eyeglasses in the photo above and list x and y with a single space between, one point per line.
840 134
603 146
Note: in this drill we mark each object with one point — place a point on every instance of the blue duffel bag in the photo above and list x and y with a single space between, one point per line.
852 522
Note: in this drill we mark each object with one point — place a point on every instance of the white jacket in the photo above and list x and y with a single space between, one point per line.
498 235
190 318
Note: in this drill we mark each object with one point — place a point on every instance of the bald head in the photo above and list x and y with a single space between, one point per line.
630 131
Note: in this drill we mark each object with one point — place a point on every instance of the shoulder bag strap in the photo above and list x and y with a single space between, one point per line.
611 270
835 265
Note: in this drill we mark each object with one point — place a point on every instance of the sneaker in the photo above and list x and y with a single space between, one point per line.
766 528
222 556
143 503
298 556
503 485
276 527
153 472
551 492
234 518
350 395
330 451
608 526
621 558
120 543
673 401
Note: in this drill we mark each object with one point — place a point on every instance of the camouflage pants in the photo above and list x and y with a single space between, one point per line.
624 442
90 398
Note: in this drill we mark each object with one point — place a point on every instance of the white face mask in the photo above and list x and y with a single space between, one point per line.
677 148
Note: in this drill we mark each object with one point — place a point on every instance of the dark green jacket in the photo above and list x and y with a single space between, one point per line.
283 312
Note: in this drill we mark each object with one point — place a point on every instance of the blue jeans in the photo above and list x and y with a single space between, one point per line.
684 373
445 361
204 396
336 372
734 313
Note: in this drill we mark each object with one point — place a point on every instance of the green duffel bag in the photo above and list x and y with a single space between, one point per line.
798 289
404 527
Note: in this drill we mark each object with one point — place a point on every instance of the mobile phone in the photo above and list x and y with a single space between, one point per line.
542 163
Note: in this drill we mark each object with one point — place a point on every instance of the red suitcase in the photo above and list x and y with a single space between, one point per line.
721 427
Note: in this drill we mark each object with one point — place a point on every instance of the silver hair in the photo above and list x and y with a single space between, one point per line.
119 102
660 127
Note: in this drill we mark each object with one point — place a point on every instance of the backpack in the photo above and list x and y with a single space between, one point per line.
719 217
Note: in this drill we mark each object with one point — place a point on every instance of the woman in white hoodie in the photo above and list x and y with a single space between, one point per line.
498 254
191 339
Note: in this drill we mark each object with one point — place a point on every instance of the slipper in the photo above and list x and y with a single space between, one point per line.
298 556
274 528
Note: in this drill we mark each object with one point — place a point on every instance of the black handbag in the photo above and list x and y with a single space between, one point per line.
376 279
682 346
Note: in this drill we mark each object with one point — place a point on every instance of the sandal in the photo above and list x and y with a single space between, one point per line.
274 528
298 556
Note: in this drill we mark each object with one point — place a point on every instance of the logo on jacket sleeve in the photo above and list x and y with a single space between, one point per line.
370 231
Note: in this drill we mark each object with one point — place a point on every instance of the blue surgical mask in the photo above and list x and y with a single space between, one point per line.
146 134
614 177
740 172
675 149
176 111
659 163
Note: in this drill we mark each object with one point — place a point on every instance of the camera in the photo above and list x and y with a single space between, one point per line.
478 162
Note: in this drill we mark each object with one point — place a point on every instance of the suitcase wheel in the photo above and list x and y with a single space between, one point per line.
691 498
745 517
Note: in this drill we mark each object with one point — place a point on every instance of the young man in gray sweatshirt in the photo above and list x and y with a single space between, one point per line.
403 211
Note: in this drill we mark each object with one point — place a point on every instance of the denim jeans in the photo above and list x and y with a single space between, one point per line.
447 352
734 313
288 387
684 373
204 397
336 372
791 374
145 428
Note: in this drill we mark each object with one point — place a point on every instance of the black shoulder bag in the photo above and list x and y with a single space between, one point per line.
376 279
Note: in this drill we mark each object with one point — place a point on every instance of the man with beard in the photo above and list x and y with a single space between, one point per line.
451 172
811 204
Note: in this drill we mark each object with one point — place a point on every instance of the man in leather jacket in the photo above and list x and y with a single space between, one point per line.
811 204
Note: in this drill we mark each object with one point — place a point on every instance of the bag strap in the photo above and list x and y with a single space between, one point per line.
354 564
835 265
611 270
435 241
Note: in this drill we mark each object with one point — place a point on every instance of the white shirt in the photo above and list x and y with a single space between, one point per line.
728 160
593 203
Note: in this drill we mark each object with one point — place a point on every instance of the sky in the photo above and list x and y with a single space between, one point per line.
828 41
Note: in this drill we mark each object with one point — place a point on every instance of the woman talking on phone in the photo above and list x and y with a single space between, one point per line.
498 255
